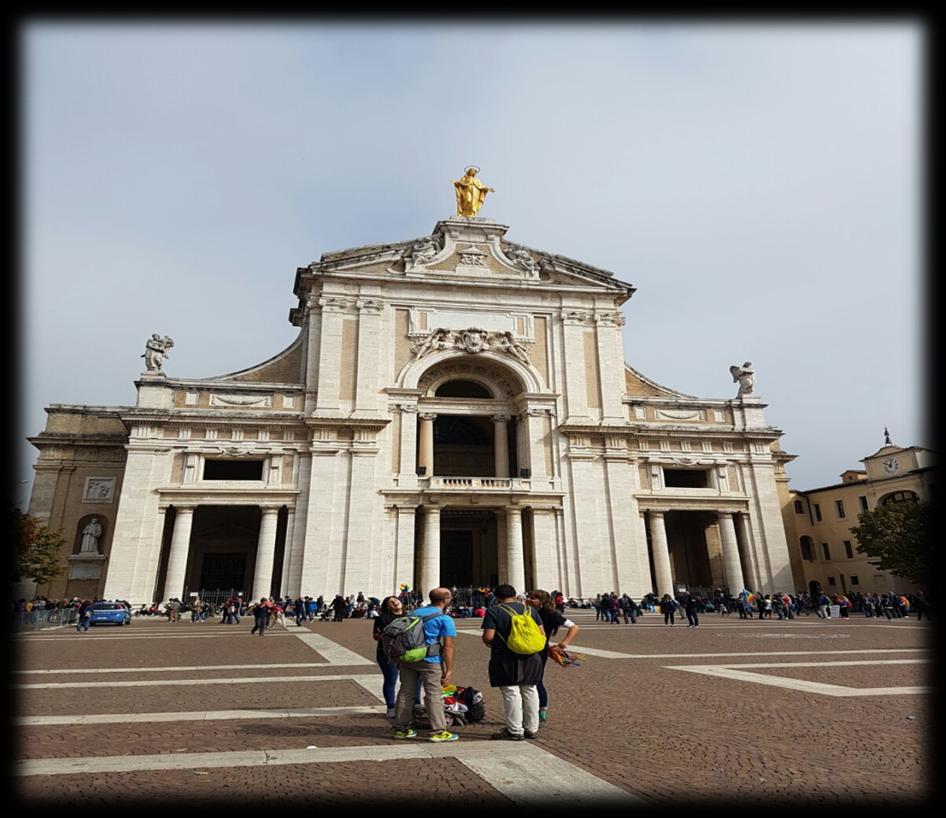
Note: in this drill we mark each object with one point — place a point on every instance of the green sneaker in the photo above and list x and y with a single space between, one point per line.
543 715
407 732
444 735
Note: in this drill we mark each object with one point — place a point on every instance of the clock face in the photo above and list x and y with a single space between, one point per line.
891 465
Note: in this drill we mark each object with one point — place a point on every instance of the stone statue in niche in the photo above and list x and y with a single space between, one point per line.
156 349
90 537
745 377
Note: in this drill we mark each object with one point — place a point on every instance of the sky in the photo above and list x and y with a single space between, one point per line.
759 184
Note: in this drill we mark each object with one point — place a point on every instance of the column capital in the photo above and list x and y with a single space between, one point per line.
502 418
267 510
724 514
185 509
655 512
513 509
427 415
431 510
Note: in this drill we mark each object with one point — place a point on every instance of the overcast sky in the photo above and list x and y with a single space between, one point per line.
757 184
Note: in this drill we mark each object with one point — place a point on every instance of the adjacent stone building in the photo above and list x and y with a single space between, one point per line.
819 521
455 410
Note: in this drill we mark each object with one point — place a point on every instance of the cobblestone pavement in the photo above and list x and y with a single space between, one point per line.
811 712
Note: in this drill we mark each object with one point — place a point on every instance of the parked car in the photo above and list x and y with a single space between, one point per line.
109 613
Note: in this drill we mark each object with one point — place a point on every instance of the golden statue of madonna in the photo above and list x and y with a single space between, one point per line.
471 192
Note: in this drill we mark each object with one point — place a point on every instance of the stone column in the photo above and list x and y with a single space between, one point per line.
501 550
408 442
404 554
177 559
369 333
426 457
573 366
501 444
662 567
515 562
428 568
610 363
731 565
742 534
535 422
284 586
265 553
544 549
330 352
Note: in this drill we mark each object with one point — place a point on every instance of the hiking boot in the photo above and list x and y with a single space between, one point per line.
444 735
543 715
406 732
531 734
505 734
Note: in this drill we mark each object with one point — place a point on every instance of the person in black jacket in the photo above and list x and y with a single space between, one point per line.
515 674
669 607
692 609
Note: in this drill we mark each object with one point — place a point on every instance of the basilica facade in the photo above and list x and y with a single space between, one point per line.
455 410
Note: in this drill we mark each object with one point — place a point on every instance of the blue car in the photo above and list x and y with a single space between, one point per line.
109 613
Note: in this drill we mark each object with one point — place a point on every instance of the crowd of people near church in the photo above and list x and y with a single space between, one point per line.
609 607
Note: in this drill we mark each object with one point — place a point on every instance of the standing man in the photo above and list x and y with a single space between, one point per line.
516 675
433 671
260 617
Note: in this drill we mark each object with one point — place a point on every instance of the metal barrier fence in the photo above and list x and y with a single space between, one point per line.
44 618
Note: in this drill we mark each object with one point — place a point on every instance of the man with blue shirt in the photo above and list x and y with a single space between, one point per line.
434 671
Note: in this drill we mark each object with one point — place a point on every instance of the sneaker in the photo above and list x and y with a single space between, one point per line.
444 735
543 715
505 734
531 733
407 732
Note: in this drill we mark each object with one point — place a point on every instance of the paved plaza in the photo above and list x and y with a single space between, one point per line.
808 711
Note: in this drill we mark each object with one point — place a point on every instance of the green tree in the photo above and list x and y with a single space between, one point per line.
36 551
900 537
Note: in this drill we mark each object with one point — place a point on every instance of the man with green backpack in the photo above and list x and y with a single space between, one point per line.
513 631
421 643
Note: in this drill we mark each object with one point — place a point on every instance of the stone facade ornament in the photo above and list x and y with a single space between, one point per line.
422 250
156 350
745 377
506 342
474 340
522 258
472 257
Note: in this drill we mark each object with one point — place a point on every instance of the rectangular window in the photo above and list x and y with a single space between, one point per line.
233 470
839 505
806 552
848 549
831 581
855 580
824 551
799 508
685 478
818 512
863 502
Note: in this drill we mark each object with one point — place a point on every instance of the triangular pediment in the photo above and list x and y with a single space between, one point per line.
468 249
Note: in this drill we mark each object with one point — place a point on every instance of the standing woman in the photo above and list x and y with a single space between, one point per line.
391 609
552 620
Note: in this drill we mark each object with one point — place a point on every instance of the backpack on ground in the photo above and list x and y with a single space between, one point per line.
525 635
403 639
474 701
